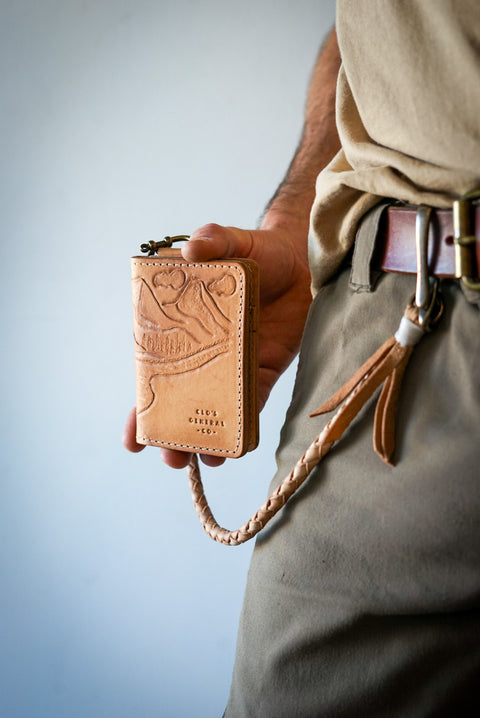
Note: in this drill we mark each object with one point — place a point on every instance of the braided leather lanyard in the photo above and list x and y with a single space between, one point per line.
386 366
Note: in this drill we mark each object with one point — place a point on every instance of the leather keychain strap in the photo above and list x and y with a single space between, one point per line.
386 366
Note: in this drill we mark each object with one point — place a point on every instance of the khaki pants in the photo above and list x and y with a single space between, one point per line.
363 596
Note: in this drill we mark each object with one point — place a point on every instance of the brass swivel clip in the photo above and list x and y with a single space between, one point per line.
465 242
152 247
427 298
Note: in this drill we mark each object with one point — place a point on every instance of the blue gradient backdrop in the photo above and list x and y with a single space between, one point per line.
122 121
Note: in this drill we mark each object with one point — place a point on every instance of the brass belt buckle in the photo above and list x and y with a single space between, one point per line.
464 242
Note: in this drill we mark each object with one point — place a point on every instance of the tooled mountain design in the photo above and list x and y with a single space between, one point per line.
181 334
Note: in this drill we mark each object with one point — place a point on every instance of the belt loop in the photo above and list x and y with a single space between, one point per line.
362 276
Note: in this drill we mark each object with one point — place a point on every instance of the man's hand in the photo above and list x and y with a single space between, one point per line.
280 245
284 300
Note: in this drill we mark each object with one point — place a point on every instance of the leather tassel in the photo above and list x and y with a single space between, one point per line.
386 365
384 423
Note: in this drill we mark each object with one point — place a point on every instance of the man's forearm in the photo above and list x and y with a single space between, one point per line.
319 143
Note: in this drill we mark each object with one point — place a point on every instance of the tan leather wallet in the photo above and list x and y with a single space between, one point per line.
196 358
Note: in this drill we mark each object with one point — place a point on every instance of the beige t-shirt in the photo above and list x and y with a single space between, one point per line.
408 114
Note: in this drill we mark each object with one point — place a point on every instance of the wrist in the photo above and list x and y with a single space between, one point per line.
289 231
289 220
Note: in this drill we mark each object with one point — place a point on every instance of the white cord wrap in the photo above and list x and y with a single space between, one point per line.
408 334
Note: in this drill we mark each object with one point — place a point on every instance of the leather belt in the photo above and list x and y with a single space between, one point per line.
396 249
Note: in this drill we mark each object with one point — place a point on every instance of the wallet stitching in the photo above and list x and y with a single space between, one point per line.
240 345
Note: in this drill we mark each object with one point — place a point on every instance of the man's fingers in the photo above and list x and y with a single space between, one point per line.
180 459
175 459
130 431
212 460
213 241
